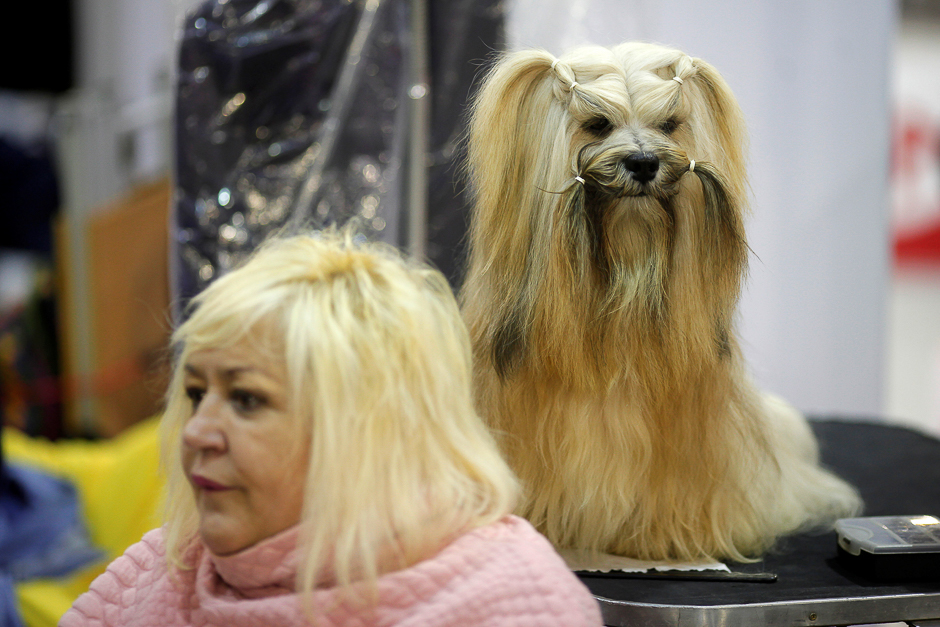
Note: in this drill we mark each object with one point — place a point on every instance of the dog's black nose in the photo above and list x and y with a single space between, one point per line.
643 166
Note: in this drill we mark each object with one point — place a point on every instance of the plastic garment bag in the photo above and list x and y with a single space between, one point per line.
302 113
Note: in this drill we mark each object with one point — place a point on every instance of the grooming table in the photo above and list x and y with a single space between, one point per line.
897 471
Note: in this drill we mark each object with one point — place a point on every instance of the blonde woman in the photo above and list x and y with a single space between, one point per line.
326 466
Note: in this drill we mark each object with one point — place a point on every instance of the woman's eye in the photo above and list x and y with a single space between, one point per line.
195 394
599 125
669 126
246 402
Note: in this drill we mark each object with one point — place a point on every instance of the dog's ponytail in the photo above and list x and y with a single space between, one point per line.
565 75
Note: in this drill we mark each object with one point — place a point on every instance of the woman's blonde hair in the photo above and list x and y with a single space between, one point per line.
379 375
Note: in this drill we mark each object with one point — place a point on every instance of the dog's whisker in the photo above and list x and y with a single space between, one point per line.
569 187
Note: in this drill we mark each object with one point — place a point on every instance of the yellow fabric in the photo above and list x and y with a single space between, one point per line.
120 488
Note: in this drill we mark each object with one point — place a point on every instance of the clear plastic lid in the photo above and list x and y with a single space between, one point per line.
889 534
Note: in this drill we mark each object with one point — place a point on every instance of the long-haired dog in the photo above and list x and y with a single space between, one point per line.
607 252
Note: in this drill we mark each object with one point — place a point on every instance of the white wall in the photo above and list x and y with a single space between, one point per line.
913 364
111 132
812 78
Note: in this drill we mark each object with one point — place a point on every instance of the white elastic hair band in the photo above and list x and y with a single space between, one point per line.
691 165
573 85
555 63
579 179
677 79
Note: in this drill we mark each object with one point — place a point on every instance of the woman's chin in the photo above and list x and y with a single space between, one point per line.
223 537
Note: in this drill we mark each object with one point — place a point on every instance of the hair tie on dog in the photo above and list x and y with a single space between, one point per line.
573 85
555 64
677 79
691 165
579 179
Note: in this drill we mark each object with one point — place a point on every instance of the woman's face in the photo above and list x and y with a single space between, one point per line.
240 450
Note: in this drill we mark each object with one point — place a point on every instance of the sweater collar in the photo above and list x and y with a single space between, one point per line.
265 568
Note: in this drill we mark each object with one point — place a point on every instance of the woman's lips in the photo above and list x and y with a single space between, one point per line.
208 484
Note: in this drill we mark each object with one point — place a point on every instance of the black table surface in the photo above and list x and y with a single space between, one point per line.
897 471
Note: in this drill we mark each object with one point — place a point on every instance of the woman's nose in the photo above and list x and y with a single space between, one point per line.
204 431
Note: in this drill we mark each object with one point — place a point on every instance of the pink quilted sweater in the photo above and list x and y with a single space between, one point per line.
504 574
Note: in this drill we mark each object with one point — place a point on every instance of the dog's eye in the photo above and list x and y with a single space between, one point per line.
669 126
599 125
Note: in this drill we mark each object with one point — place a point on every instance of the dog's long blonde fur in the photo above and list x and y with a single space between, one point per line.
601 307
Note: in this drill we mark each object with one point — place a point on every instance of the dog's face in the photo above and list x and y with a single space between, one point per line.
629 140
585 206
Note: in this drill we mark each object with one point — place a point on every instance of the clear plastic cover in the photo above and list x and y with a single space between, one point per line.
299 112
889 534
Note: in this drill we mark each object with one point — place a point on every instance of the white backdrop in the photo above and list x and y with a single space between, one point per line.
812 78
